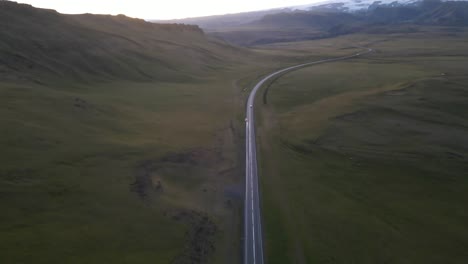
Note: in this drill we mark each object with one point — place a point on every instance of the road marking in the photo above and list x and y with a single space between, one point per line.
246 237
251 197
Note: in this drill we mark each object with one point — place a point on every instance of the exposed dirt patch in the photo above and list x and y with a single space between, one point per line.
200 237
144 185
195 180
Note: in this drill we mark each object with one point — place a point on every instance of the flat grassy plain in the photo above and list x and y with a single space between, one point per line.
365 160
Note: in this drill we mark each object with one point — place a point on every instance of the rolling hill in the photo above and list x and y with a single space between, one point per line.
321 21
217 22
38 41
122 140
114 134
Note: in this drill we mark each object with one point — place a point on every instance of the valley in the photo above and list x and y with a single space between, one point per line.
123 141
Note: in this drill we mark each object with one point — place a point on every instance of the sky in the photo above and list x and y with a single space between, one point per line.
162 9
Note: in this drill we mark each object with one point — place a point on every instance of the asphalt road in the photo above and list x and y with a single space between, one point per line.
253 238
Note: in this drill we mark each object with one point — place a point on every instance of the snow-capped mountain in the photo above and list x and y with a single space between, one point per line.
353 5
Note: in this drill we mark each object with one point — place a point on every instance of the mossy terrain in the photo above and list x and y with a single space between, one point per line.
122 141
119 140
365 160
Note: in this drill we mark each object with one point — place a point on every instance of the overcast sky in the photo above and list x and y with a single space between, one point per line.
162 9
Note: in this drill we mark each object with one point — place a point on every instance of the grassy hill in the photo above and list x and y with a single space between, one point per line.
122 142
217 22
119 140
44 42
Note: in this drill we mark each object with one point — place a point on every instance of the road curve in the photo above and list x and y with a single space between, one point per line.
253 239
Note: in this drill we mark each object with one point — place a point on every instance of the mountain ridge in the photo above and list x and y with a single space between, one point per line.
305 25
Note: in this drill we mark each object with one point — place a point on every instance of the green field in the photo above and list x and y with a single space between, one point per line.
365 160
119 140
93 174
123 142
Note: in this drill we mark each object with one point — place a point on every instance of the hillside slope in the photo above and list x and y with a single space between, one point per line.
119 140
217 22
297 25
39 41
446 14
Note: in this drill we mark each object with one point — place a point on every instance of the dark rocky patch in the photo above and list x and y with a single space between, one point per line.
23 175
143 185
199 245
80 103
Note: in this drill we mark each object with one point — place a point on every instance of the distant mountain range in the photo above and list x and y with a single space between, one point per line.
215 22
350 5
354 5
331 18
428 12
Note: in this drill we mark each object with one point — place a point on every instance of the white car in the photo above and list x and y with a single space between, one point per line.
246 120
251 106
